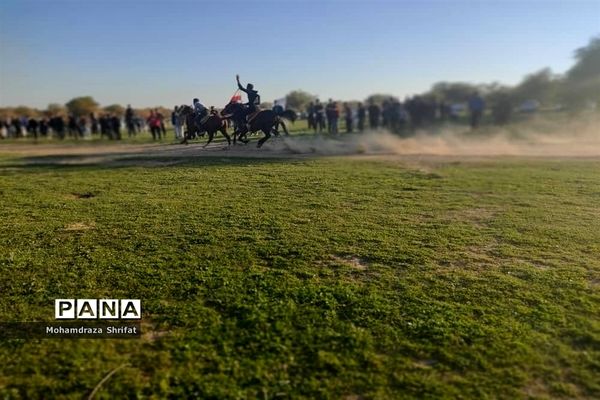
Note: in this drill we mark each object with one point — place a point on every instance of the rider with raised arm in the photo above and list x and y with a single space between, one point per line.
253 97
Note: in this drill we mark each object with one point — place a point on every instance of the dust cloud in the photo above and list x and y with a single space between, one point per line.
536 137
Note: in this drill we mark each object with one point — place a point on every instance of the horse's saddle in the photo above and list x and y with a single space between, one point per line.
204 119
251 116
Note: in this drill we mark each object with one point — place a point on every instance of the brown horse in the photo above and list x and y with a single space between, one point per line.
211 125
266 121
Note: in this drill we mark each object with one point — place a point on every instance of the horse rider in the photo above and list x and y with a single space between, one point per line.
253 98
201 112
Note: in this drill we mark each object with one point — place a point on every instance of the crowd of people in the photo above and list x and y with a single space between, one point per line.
108 125
390 114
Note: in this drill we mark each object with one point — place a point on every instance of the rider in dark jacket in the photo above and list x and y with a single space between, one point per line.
253 97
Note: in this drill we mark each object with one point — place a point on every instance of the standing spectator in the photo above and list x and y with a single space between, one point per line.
24 121
32 127
16 124
72 126
115 124
44 127
3 129
329 113
94 123
278 107
335 116
154 124
476 107
82 126
348 116
140 124
319 116
129 121
417 109
161 120
57 124
385 114
395 110
175 120
374 113
104 126
362 114
310 115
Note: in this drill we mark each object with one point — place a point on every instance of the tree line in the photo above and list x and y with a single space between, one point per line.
78 107
573 90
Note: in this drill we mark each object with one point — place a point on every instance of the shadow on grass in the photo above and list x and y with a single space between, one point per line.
129 160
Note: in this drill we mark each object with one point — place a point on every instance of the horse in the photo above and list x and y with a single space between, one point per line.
213 124
266 121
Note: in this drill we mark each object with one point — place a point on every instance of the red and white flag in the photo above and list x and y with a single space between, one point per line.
236 98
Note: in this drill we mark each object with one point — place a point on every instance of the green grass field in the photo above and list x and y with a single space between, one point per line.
342 278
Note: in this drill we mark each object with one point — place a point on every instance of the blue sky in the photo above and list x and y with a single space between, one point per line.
162 53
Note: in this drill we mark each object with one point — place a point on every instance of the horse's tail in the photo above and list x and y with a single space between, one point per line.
281 121
290 115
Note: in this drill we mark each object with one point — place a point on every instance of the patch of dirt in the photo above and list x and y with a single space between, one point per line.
594 283
478 216
537 389
84 195
151 334
80 226
351 261
425 363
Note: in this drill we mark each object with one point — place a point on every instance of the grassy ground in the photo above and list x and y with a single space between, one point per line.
310 278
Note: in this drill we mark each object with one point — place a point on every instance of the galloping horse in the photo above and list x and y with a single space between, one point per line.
266 121
213 124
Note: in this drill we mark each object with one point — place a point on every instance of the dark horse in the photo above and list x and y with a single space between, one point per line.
266 121
212 125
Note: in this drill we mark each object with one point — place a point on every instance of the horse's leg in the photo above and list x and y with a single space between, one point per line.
245 133
211 134
284 128
185 137
267 132
223 130
242 133
274 130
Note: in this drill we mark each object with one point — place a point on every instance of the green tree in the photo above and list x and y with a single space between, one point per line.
24 111
542 86
453 92
378 98
55 109
298 99
6 112
82 106
116 109
582 81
